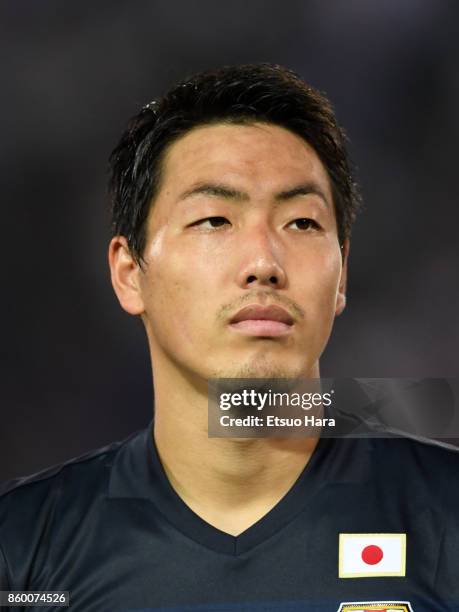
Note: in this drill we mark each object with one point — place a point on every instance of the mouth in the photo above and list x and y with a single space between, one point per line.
267 321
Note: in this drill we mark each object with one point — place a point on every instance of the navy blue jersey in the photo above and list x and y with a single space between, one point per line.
109 528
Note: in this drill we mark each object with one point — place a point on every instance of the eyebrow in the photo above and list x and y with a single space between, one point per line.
220 190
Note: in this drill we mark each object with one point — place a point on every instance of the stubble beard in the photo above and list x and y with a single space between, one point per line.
259 367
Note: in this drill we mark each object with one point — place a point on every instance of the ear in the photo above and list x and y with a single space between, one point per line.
341 294
125 273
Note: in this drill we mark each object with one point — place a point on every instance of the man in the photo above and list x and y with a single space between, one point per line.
233 203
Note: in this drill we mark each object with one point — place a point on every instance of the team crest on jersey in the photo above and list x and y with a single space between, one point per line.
375 606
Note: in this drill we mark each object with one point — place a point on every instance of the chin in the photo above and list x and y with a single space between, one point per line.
262 368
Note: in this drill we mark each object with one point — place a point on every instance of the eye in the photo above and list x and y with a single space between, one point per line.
213 222
306 224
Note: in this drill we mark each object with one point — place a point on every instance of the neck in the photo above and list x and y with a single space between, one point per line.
230 483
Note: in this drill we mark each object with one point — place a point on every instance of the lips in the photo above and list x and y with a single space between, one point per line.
262 321
256 312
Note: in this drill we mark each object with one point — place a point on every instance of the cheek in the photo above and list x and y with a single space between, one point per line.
322 283
179 291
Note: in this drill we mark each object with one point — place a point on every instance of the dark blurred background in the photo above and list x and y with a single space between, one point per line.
76 369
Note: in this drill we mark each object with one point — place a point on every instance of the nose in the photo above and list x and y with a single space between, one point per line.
260 253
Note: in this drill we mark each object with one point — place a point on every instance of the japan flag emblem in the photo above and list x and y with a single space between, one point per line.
368 555
376 606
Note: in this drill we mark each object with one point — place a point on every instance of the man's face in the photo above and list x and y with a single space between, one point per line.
244 217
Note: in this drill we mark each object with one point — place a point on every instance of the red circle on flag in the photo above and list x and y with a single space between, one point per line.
372 554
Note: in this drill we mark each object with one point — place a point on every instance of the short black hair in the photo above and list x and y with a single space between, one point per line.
242 94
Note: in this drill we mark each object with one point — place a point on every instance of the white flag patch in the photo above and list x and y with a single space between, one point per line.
364 555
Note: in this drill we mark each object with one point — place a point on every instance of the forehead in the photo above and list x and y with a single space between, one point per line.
260 153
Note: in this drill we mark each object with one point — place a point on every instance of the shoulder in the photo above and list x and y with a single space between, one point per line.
419 452
419 468
41 513
81 479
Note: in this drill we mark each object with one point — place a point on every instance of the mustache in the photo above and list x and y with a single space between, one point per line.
263 298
